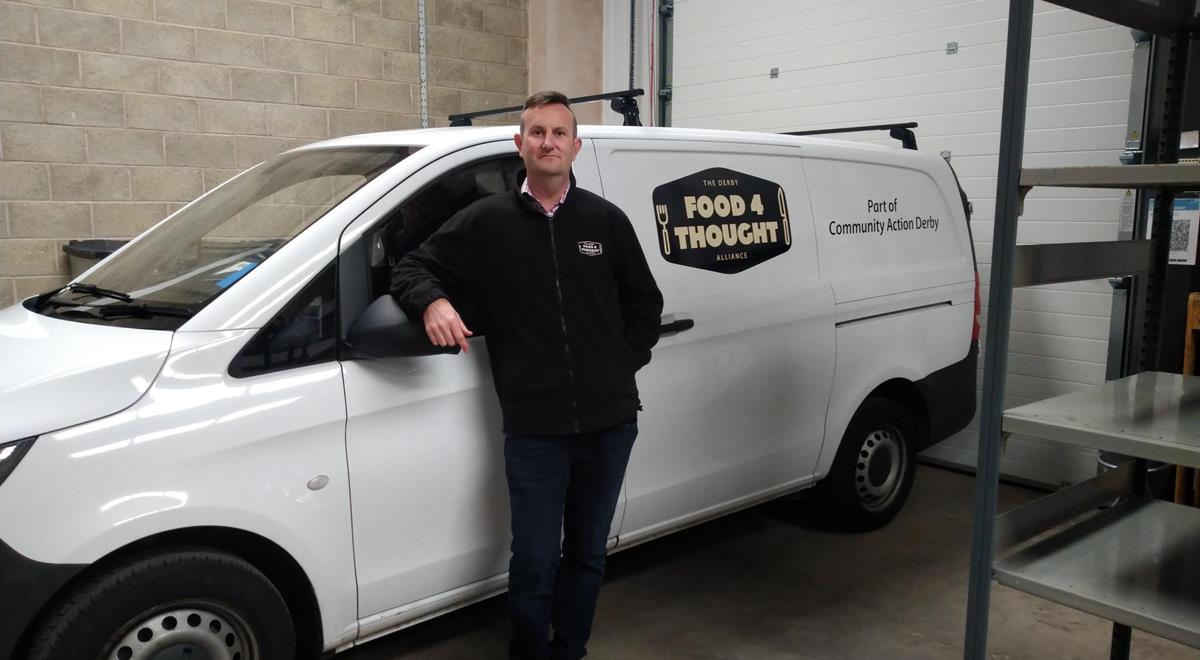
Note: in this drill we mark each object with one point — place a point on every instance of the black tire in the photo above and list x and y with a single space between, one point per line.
219 605
872 473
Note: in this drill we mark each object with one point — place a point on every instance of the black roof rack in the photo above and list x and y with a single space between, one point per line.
623 102
902 132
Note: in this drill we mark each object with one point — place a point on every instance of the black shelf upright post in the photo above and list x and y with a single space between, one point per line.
1169 59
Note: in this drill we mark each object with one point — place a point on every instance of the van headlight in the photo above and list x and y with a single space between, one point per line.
11 454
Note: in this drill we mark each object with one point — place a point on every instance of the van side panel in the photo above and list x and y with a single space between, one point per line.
734 406
887 228
910 346
895 247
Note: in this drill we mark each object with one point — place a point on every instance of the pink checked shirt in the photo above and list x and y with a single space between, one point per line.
549 214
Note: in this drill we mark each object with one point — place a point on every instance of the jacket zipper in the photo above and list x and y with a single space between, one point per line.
562 319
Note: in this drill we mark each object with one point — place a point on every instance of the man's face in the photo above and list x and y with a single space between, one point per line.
548 144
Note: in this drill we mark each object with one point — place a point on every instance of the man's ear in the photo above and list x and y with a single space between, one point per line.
517 140
578 146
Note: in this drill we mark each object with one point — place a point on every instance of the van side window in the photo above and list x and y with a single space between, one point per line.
416 219
303 332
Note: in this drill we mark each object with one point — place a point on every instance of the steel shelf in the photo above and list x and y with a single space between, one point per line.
1151 415
1135 564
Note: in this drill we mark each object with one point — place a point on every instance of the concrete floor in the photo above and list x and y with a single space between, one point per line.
769 583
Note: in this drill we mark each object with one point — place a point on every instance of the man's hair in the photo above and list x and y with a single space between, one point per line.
549 98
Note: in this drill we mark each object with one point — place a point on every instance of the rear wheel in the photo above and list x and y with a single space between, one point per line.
194 604
873 470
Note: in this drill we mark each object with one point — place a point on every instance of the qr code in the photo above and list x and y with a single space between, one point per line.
1180 235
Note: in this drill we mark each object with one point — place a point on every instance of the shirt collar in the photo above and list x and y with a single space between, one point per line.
549 213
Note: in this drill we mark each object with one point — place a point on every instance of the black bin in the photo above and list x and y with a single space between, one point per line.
86 253
1160 477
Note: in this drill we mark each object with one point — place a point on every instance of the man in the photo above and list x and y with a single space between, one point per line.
572 312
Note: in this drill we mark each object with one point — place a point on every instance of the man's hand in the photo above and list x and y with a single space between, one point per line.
444 326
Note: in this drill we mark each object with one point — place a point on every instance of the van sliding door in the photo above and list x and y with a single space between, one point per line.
735 396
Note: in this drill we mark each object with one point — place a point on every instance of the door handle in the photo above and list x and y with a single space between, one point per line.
672 325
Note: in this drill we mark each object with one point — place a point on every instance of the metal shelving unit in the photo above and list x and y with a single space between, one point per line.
1099 546
1135 562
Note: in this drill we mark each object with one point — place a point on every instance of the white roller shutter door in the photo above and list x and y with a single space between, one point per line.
941 63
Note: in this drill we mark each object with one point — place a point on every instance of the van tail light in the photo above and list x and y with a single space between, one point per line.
978 309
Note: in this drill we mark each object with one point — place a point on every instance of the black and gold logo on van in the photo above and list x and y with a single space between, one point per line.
721 220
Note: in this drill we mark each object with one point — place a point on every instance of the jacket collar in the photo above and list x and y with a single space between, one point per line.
529 204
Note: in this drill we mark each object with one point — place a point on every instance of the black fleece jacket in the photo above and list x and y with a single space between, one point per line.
570 309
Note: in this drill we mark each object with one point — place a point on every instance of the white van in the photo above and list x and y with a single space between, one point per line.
226 437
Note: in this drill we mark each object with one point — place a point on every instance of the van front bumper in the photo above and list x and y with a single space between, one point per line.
26 586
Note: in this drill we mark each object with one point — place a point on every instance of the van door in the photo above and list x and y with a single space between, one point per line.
734 405
423 438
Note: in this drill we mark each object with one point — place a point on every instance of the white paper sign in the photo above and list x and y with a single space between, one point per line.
1185 224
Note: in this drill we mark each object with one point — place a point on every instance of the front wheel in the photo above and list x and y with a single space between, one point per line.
873 470
197 604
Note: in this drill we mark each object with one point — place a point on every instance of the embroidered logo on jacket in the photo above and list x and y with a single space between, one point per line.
590 248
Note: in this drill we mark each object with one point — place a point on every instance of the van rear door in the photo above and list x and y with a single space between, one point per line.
735 403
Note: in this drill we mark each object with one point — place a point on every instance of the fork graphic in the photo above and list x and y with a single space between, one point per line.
661 211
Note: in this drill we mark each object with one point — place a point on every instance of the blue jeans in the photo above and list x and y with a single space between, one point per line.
560 487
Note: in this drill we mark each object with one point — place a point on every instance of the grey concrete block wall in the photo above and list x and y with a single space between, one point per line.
115 113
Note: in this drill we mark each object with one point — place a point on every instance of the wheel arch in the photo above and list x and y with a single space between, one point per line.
854 495
909 396
268 557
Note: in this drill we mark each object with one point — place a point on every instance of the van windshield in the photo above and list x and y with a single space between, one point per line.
180 265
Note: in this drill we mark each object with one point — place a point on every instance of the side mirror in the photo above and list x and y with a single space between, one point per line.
384 330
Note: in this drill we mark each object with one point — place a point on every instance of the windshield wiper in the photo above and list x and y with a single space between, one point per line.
80 287
141 309
125 308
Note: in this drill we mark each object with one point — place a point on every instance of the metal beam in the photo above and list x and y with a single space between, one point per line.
1161 17
1004 239
1178 176
1030 520
1123 338
1049 263
1170 70
666 61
